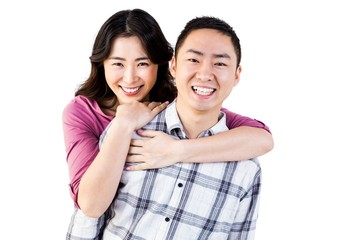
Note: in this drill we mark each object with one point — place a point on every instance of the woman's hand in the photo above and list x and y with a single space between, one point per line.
138 114
156 150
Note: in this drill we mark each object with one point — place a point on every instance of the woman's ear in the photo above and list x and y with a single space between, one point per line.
173 67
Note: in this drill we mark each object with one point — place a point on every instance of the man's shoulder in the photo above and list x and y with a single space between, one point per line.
252 163
158 122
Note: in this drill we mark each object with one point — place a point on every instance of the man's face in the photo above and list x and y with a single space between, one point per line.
205 70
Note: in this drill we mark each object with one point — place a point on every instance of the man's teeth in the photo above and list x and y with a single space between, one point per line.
130 90
203 91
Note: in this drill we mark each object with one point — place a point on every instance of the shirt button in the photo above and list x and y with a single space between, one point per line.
167 219
180 185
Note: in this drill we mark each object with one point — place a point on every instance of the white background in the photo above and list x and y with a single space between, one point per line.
300 76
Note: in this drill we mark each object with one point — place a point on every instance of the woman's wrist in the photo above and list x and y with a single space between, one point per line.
182 151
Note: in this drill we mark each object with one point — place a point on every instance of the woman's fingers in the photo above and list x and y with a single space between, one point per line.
158 106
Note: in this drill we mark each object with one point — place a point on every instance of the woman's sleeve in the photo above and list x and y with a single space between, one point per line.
234 120
81 144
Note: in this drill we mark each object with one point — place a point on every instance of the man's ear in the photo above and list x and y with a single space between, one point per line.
173 66
237 75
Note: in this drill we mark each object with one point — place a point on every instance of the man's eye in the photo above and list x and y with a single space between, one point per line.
193 60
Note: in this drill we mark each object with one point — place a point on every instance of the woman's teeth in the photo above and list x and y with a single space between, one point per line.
130 90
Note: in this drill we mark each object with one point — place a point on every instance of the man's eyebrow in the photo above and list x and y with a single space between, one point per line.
195 52
217 55
222 55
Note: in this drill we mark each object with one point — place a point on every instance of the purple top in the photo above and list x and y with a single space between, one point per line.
84 122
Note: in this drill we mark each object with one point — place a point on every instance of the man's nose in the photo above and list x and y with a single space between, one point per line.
205 72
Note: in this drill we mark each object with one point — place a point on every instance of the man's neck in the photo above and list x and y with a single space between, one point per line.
196 121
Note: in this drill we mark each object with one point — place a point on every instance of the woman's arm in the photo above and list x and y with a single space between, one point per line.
99 176
160 149
240 143
99 183
247 139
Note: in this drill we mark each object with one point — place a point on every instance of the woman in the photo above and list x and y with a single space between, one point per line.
129 79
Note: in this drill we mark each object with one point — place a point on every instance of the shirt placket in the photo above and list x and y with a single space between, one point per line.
173 205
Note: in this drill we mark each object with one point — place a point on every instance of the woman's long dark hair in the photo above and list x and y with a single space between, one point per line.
128 23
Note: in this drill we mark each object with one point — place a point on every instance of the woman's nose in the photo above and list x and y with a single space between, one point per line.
129 75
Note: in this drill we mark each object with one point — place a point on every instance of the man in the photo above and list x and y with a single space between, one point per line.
193 200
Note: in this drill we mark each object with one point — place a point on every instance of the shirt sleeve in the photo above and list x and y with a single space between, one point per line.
246 217
81 143
234 120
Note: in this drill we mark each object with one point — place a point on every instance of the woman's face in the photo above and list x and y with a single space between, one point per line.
128 71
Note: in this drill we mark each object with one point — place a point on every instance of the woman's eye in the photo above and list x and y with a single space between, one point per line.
118 64
142 64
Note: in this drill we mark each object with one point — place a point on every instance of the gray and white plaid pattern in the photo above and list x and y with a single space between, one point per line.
187 201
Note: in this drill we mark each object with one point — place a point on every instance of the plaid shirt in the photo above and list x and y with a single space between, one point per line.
186 200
